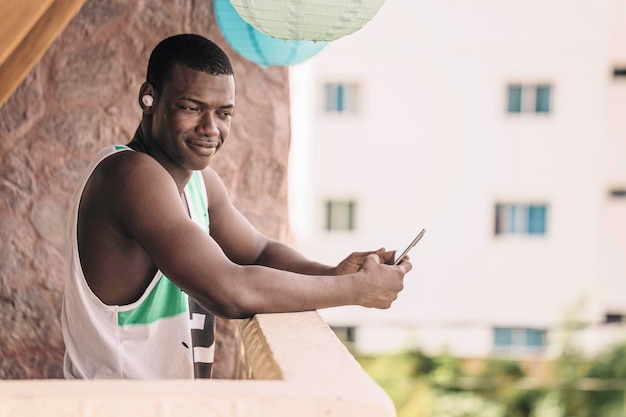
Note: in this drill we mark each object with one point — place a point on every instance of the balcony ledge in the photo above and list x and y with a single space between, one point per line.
290 365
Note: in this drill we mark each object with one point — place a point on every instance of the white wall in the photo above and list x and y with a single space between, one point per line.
434 76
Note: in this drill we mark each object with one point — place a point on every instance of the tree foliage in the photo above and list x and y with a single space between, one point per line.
438 386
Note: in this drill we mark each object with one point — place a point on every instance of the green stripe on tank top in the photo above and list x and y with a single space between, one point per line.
197 207
121 147
165 300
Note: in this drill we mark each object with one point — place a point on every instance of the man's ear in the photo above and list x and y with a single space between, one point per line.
147 97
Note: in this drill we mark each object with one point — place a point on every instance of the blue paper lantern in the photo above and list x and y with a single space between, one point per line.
258 47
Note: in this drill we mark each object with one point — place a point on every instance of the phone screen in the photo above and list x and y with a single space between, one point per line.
408 248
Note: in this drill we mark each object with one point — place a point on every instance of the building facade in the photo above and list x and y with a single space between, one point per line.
498 127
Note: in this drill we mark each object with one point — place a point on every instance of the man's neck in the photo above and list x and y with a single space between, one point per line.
139 143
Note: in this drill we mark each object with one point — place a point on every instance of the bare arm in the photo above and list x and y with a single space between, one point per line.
149 207
243 243
280 256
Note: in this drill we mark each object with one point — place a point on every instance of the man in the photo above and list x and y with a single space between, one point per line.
146 272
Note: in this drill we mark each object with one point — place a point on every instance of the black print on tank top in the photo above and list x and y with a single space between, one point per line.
202 339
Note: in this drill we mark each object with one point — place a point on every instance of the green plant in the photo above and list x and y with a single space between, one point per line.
430 386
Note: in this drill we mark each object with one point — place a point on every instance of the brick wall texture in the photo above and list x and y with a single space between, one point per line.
82 96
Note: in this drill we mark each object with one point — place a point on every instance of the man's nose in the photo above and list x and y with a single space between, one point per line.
207 125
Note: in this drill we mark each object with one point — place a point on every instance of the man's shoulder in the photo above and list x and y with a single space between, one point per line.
125 174
124 163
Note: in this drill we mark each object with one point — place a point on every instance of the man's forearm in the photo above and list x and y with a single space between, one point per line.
279 256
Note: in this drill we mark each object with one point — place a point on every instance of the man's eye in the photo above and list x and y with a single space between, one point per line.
189 108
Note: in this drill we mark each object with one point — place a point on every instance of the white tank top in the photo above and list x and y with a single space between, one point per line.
164 334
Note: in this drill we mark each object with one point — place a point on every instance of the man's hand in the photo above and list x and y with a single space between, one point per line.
379 283
354 261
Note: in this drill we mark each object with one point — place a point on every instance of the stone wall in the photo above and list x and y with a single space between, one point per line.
81 97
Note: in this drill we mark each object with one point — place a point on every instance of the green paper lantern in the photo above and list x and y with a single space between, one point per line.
312 20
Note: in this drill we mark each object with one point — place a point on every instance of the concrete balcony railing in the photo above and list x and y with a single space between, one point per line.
290 365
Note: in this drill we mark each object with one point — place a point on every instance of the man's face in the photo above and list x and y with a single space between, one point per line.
192 118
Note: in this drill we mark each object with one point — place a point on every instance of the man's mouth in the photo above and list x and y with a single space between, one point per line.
205 147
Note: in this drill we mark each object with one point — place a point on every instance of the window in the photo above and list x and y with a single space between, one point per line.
619 72
347 334
613 318
531 98
506 339
341 97
618 193
514 219
340 214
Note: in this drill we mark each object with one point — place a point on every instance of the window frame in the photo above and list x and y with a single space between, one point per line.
331 205
519 339
521 219
531 98
341 97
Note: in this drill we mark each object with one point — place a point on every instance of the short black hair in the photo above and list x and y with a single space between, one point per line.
191 50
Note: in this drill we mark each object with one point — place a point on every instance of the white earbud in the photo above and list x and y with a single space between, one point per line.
147 100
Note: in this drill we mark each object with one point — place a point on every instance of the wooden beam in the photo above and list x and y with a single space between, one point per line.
27 32
18 18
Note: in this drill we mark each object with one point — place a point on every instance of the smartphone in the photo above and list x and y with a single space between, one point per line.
408 248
